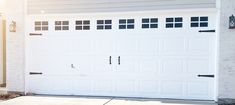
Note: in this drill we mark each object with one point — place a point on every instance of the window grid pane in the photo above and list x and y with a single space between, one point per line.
126 23
41 25
199 21
82 25
149 23
176 22
104 24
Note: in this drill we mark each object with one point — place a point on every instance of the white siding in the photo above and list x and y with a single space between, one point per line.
2 6
85 6
15 46
227 51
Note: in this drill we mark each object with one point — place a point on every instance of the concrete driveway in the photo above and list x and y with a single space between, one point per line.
59 100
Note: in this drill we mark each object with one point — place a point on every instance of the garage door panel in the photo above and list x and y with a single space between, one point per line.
81 46
49 46
199 46
149 64
126 45
148 46
198 88
103 86
127 87
173 46
148 87
172 66
53 85
103 64
82 86
104 46
172 89
81 63
127 64
50 65
199 65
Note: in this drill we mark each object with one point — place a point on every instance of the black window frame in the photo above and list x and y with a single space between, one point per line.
41 25
149 23
174 22
199 21
126 24
82 25
104 24
61 25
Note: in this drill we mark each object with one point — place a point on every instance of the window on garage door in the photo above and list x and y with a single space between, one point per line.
41 25
149 23
199 21
83 25
126 23
61 25
176 22
104 24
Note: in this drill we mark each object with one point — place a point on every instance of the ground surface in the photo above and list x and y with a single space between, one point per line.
59 100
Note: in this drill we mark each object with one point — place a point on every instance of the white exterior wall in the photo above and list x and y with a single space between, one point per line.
2 6
15 45
85 6
227 50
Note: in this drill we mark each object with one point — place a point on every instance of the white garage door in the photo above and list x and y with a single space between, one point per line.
152 55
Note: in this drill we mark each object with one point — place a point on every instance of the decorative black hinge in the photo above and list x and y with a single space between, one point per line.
35 73
206 30
208 76
35 34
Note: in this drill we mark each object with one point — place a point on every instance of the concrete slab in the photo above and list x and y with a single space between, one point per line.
130 101
65 100
47 100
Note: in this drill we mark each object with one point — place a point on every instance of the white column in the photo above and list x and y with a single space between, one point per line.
15 11
1 50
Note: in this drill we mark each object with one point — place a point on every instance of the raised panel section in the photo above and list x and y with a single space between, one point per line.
198 89
103 86
103 46
81 86
193 65
149 86
51 86
199 46
173 46
126 45
172 88
172 66
125 87
81 45
128 65
148 46
149 64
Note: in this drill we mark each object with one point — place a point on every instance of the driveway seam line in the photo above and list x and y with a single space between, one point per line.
108 101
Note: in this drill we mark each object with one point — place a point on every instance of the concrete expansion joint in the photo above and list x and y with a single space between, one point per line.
109 101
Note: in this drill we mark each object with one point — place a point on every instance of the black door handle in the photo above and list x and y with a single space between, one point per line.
119 60
110 60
